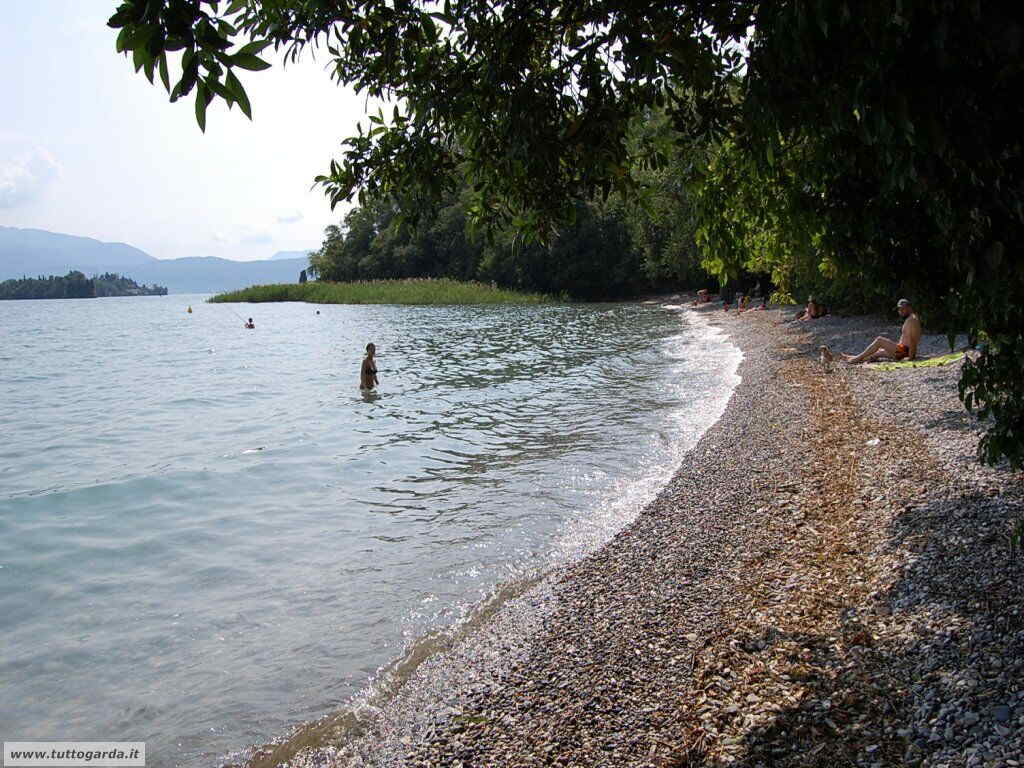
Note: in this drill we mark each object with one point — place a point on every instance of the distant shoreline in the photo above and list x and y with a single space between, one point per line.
75 285
424 291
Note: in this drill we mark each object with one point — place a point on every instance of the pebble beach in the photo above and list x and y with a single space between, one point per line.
828 580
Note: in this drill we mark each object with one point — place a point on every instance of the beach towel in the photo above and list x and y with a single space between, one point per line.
925 363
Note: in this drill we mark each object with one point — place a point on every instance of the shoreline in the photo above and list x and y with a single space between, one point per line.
386 706
790 597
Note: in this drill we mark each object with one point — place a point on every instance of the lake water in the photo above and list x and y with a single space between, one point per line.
208 534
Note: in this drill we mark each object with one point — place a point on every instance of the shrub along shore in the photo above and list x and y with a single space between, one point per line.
822 583
412 291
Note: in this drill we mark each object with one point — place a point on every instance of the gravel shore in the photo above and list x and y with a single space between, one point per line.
826 581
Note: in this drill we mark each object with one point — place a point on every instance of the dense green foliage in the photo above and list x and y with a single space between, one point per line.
440 291
869 149
609 250
75 285
112 284
887 136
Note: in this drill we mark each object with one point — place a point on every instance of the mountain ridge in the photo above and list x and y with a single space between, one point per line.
35 252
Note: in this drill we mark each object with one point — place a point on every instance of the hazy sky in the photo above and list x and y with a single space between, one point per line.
88 147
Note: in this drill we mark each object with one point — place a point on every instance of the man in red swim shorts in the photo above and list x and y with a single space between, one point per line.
904 349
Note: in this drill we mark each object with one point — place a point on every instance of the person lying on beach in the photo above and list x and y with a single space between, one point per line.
368 372
882 348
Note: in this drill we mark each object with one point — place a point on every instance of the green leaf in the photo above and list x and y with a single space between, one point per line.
250 62
201 107
232 84
189 62
122 16
252 48
217 88
164 76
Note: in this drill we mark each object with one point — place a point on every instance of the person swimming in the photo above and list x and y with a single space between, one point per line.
368 372
250 324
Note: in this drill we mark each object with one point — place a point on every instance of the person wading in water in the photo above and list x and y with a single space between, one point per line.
368 373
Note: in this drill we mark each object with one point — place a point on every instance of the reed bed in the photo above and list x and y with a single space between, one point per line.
413 291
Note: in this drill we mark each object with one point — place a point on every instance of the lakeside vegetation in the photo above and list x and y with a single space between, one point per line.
610 250
75 285
423 291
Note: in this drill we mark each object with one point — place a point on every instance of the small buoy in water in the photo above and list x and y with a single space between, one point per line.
190 309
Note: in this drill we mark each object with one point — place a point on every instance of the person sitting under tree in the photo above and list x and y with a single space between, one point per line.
881 347
812 311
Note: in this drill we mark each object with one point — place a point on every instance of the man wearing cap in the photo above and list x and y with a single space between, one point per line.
905 349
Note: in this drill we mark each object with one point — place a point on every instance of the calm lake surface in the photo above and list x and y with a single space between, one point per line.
208 534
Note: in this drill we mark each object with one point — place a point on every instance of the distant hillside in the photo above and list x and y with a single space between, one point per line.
291 255
212 275
32 252
35 252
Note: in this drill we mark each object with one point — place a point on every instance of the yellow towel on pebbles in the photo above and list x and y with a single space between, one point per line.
926 363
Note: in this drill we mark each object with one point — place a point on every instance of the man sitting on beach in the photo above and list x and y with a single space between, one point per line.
904 349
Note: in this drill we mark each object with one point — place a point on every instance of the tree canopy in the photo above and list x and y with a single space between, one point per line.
873 147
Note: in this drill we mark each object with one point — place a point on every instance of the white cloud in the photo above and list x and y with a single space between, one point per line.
25 172
290 218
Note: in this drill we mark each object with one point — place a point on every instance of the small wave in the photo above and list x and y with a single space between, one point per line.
354 721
